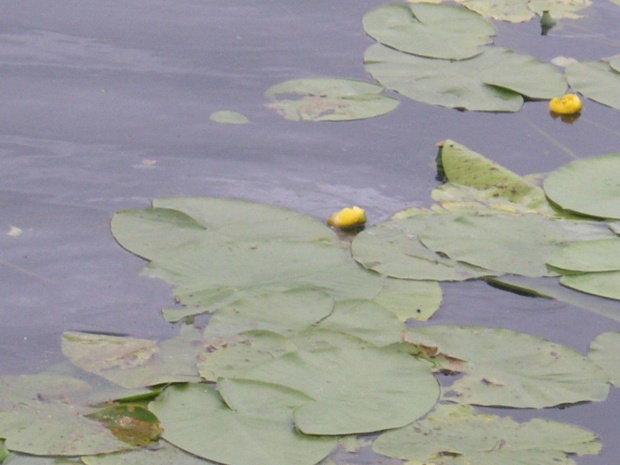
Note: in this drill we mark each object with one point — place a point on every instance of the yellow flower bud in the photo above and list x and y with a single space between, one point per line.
567 105
348 218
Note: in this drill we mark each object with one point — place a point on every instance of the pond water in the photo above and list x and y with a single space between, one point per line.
106 105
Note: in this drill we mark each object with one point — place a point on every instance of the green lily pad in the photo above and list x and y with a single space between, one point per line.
495 80
614 62
229 117
597 80
435 31
511 369
601 284
393 249
21 389
4 452
329 99
457 435
132 362
590 256
590 186
163 454
341 382
132 424
605 352
196 419
465 167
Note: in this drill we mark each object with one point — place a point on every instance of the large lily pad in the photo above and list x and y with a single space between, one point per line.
132 362
457 435
597 80
511 369
590 186
601 284
196 419
590 256
353 390
605 351
329 99
435 31
495 80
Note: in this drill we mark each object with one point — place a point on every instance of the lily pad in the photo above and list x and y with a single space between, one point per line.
132 362
465 167
495 80
457 435
229 117
349 389
435 31
393 249
605 351
601 284
590 256
329 99
196 419
590 186
510 369
597 80
162 454
614 62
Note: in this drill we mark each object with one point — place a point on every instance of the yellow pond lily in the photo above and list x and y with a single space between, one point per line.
348 218
567 105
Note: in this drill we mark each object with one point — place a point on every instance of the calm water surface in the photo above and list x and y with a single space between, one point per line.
105 105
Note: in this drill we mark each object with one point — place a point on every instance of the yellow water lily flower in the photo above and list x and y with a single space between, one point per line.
348 218
567 105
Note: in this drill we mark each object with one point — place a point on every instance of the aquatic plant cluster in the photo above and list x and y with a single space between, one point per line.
307 350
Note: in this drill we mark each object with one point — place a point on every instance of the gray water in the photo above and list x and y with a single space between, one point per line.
105 105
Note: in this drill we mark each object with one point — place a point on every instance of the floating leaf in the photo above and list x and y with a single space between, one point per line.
229 117
495 80
435 31
589 186
418 300
456 435
512 369
468 168
614 62
21 389
196 419
132 362
162 454
342 383
393 249
4 452
559 8
132 424
601 284
597 80
219 252
605 352
590 256
328 99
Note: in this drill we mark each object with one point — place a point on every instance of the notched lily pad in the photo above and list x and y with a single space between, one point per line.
434 31
329 99
457 435
510 369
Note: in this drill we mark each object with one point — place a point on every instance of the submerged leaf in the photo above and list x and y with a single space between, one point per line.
457 435
495 80
196 419
511 369
605 351
435 31
588 186
329 99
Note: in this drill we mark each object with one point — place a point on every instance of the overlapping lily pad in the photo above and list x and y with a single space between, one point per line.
590 256
597 80
329 99
605 351
508 368
496 80
601 284
434 31
162 454
456 435
588 186
132 362
220 252
196 419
